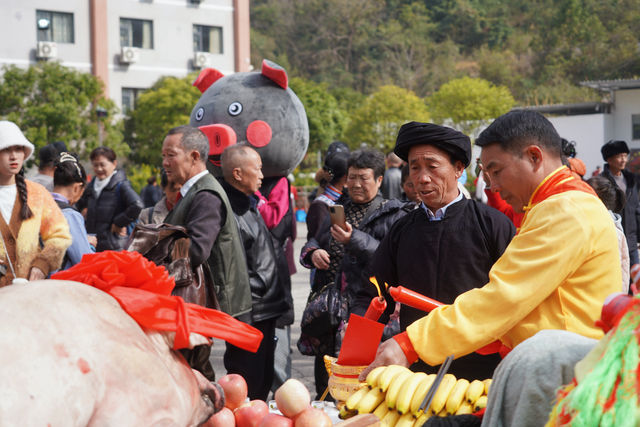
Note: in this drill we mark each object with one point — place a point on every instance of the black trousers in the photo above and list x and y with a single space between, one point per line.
256 368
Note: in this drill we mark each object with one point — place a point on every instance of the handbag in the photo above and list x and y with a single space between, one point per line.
168 245
324 311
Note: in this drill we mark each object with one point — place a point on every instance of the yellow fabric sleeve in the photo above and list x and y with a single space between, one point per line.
555 274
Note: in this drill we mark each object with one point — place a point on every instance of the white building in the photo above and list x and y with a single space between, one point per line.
592 124
128 44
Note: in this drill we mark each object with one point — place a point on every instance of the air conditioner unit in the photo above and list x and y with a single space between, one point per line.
201 59
47 50
129 55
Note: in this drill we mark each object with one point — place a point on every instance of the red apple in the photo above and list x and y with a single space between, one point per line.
223 418
292 397
275 420
235 390
313 417
250 414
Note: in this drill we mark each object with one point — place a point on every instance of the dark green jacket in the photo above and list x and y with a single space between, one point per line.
227 260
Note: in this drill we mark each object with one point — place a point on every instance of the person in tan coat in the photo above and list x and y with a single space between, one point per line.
28 216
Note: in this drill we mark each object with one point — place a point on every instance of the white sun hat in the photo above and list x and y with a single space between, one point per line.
11 135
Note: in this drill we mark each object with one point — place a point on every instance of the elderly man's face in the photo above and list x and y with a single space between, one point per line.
433 175
251 173
510 175
175 160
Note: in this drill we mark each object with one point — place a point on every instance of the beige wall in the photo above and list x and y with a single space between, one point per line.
97 37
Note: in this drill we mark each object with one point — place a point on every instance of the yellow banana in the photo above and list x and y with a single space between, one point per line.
374 375
442 394
456 396
419 395
388 375
410 386
480 403
394 388
344 413
487 385
442 413
353 400
370 401
475 390
406 420
390 419
422 419
381 410
465 408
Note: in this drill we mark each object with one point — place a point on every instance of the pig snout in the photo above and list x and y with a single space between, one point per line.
211 394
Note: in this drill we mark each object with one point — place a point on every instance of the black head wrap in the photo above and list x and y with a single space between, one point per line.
457 144
612 148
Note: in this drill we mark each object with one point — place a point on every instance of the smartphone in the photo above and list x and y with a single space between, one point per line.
336 212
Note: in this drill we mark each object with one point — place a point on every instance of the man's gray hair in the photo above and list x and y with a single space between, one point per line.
192 139
233 157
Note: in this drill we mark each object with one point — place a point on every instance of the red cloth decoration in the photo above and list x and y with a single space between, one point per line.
560 181
143 290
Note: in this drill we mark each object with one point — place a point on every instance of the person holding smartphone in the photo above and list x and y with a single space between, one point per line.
343 245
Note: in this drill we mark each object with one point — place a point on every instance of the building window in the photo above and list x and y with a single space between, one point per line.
54 26
136 33
207 39
635 126
129 98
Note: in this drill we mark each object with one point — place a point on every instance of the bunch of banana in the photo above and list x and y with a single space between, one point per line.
394 394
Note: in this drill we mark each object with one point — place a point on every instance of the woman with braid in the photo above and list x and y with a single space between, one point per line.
69 180
35 234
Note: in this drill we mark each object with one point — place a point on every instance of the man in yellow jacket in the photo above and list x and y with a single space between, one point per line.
555 273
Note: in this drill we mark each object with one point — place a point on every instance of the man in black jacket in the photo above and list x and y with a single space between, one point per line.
616 154
242 171
446 246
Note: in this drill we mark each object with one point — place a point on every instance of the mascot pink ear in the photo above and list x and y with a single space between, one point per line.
274 72
206 78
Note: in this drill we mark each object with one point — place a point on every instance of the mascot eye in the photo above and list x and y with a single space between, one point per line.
235 108
199 114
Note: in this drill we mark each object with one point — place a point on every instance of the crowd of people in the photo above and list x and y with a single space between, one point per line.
537 249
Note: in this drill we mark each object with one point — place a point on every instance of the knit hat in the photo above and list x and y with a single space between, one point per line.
612 148
11 135
457 144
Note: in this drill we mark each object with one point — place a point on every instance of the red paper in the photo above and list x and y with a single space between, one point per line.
360 343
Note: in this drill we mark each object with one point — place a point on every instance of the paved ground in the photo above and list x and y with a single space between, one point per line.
302 368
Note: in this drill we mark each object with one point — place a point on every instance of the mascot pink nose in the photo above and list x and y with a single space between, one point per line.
259 133
220 137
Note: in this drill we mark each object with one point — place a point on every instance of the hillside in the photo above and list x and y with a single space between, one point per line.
539 49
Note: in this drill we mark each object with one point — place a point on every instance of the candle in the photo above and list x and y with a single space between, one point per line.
377 306
413 299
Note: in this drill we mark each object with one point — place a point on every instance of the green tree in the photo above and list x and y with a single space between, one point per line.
469 103
377 121
326 119
50 102
167 104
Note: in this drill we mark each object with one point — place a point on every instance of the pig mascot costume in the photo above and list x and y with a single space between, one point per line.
259 109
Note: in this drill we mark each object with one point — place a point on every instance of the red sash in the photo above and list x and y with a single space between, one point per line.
559 181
